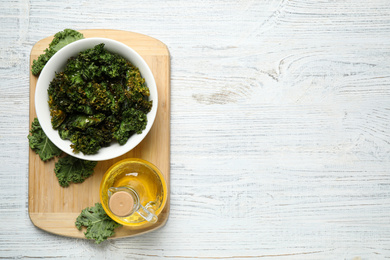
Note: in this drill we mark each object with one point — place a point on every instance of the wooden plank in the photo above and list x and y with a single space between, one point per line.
54 208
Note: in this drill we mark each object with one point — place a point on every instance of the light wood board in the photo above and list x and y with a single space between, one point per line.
54 208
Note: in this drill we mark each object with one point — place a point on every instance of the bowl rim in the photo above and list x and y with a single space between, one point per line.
57 63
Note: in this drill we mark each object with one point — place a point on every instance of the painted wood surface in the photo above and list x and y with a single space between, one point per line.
279 127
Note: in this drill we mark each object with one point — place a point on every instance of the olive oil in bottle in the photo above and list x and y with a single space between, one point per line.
144 180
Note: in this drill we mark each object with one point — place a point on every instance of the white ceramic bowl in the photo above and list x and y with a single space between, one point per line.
57 64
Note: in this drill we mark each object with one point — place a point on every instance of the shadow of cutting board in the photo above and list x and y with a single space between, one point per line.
54 208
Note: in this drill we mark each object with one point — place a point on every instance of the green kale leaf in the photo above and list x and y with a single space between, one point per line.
99 225
71 169
60 40
40 143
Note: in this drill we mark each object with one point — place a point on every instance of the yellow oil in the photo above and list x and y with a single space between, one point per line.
144 180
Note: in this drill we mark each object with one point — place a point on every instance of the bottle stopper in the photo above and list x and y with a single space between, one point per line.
121 203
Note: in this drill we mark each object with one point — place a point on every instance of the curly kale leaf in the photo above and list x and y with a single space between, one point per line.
60 40
99 225
40 143
70 169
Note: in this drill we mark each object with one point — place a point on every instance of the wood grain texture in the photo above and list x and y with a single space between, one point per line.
54 208
279 127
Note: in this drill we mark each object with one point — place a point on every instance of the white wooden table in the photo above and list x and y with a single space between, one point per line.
280 127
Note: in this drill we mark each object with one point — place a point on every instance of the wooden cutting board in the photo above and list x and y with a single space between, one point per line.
54 208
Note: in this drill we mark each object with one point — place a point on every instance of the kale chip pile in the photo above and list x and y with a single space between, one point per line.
100 97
